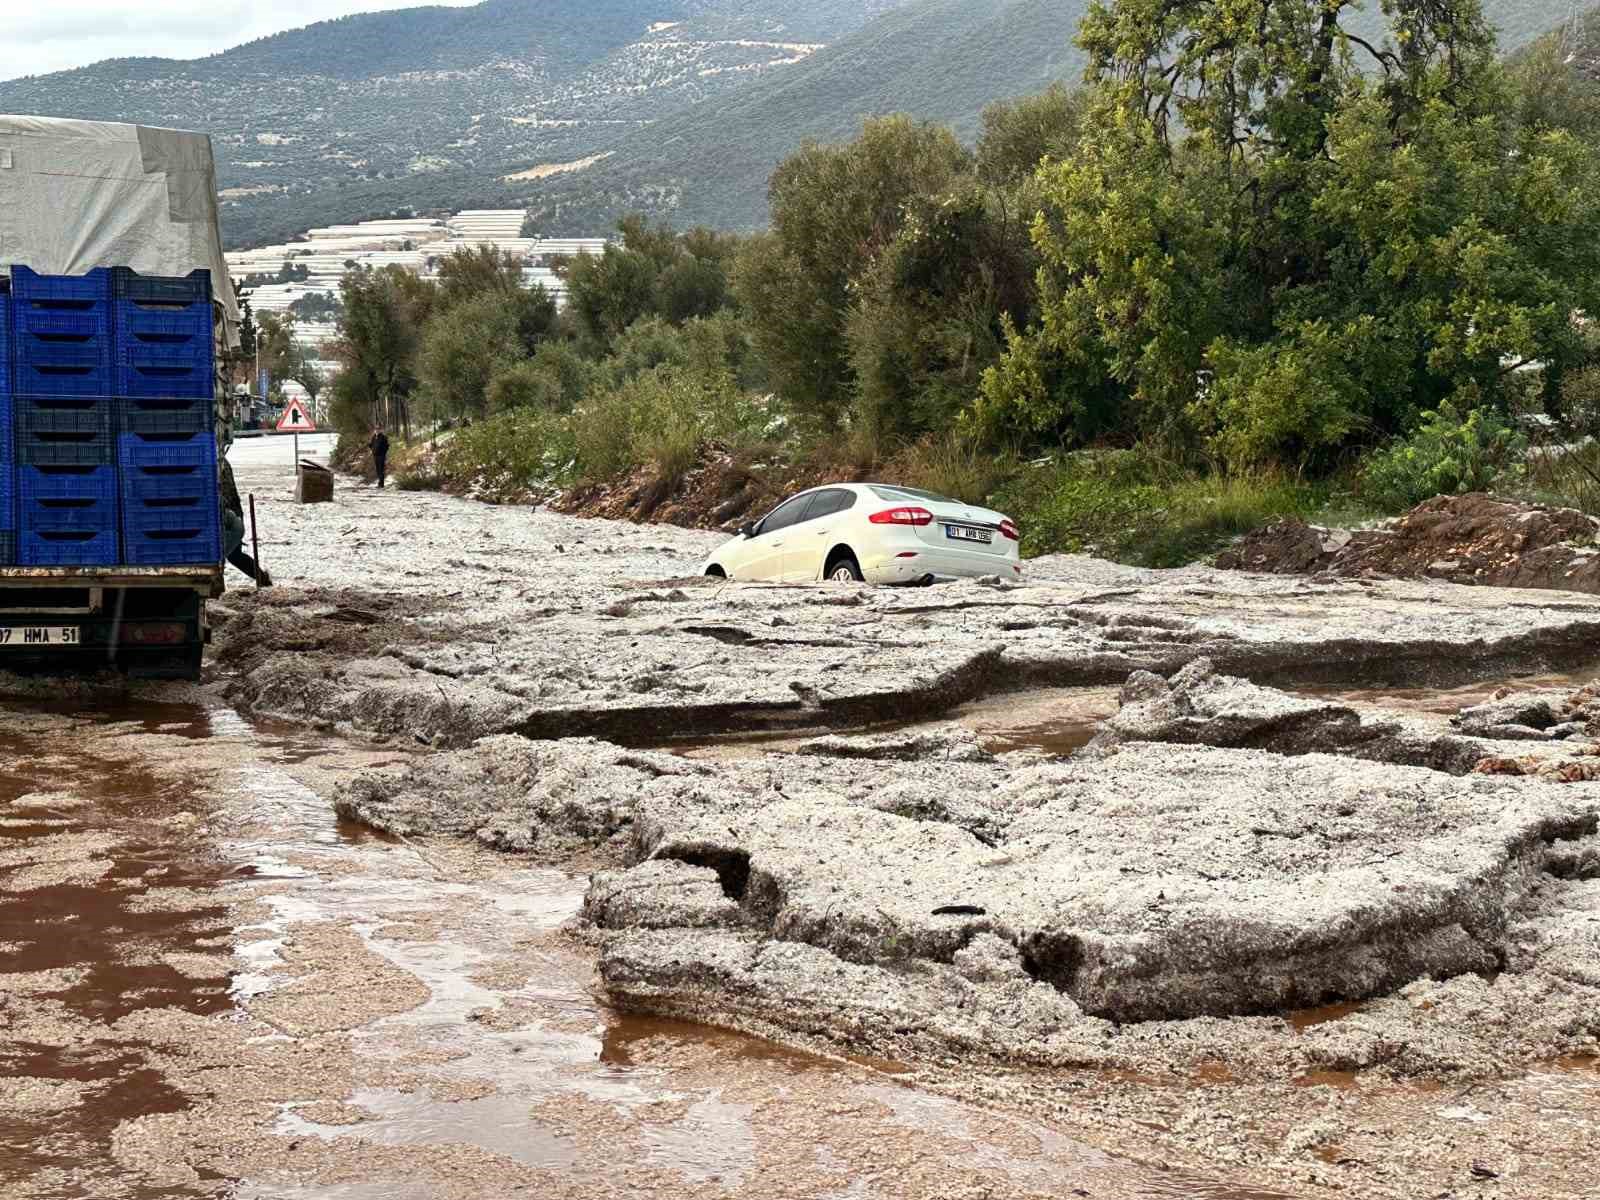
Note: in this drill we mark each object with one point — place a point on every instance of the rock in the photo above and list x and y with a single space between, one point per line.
1535 713
1202 706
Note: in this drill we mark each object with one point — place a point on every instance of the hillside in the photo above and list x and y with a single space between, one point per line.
940 60
509 102
431 107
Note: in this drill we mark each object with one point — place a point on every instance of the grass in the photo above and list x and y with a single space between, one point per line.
1128 507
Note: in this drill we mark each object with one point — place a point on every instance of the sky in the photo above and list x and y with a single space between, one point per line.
40 36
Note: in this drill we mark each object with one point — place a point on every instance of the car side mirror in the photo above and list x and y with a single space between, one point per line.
747 530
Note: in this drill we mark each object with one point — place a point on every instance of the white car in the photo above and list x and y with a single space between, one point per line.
873 532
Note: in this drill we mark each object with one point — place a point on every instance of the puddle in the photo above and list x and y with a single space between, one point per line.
1309 1018
1343 1081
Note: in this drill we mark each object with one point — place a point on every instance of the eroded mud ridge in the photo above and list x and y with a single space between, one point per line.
913 889
1471 539
596 649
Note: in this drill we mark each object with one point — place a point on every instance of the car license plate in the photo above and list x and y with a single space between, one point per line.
26 637
965 533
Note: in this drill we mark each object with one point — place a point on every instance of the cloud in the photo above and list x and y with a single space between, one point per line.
36 39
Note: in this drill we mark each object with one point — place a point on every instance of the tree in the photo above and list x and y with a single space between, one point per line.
1019 134
463 348
380 329
834 209
931 311
1271 253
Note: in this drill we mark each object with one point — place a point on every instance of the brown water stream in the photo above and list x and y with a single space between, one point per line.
211 987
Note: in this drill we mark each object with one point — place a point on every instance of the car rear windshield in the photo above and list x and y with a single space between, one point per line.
905 493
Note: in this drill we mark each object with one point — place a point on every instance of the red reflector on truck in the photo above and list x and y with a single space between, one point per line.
154 634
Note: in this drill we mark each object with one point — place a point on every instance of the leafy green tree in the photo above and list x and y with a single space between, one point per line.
1277 237
931 311
1019 134
606 293
524 384
380 331
463 348
835 208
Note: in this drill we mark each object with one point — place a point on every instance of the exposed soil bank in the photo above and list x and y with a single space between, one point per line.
1471 539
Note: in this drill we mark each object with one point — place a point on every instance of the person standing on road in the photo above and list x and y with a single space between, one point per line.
379 445
233 529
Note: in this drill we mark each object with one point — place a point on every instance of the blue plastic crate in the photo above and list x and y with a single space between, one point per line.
8 493
8 548
167 450
65 431
150 371
165 328
167 416
157 468
174 537
67 548
162 290
67 499
30 289
71 483
61 367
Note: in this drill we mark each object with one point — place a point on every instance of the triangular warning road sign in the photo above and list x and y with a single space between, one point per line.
296 420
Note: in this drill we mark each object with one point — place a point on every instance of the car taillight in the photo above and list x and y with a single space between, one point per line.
1009 529
902 516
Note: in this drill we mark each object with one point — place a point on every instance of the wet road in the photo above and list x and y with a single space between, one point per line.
210 987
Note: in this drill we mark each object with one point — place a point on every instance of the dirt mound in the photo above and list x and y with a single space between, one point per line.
1474 538
721 491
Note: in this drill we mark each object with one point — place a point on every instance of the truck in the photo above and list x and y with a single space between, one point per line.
117 305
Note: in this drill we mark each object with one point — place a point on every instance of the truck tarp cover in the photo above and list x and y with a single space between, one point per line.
75 195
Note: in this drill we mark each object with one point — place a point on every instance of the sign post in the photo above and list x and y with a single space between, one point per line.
296 421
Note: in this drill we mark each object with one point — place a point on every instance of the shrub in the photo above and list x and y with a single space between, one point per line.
525 384
1132 507
1449 453
523 449
951 465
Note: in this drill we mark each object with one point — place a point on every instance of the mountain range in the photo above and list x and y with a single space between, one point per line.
579 109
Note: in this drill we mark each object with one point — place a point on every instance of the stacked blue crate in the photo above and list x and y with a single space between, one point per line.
62 341
67 516
164 374
8 500
61 333
171 508
165 367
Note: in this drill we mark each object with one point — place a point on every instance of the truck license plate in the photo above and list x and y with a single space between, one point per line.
26 637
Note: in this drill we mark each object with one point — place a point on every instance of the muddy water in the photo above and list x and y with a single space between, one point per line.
210 987
90 936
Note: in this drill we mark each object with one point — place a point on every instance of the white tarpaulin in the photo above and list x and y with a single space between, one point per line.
75 195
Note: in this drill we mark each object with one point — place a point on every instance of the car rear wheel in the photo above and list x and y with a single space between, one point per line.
843 568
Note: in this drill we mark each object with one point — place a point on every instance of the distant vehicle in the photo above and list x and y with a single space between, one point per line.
872 532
